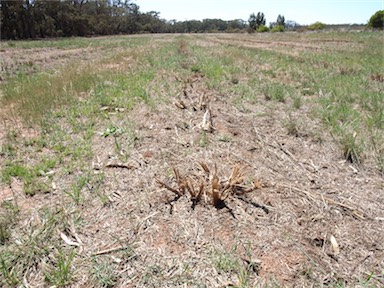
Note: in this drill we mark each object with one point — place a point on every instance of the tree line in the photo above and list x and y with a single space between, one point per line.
28 19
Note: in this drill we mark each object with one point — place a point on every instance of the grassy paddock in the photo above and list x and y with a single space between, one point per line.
332 79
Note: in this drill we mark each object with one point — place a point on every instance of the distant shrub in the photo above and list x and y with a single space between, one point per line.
316 26
262 29
278 28
377 20
250 30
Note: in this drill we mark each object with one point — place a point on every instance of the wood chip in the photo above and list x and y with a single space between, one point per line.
334 246
206 125
68 241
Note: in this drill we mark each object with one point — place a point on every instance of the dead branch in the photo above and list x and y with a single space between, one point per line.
163 185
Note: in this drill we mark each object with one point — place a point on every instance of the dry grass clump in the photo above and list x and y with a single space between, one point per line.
183 48
209 187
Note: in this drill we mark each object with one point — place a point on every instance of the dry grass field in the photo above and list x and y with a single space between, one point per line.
204 160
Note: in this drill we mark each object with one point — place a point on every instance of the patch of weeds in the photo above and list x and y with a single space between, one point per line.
224 138
214 67
103 96
276 92
243 278
245 91
136 85
338 114
46 166
5 229
308 273
38 143
32 189
33 245
195 69
378 150
351 149
226 262
11 208
115 132
16 170
242 107
150 59
78 150
11 136
182 48
151 274
104 274
370 280
77 187
234 80
308 91
317 136
9 277
124 91
293 126
38 93
8 150
61 273
29 176
112 130
297 101
203 139
127 142
269 73
95 184
78 125
230 263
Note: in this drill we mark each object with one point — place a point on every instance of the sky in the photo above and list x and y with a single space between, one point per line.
302 11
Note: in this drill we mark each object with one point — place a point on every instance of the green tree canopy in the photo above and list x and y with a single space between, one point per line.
255 21
377 20
280 20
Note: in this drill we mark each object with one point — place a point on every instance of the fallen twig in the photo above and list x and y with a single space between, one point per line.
110 250
122 166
